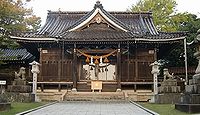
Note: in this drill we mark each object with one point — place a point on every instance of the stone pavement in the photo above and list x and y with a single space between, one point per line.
91 108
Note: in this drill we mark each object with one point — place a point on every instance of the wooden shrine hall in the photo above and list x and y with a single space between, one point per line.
115 48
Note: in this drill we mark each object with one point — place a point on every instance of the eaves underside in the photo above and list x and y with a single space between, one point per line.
131 40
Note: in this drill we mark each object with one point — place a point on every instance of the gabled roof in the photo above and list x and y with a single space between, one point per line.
15 55
65 26
98 9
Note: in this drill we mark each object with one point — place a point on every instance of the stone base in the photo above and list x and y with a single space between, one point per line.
19 82
169 89
169 82
196 78
193 89
5 106
35 98
17 97
167 98
169 86
19 88
189 108
152 99
190 99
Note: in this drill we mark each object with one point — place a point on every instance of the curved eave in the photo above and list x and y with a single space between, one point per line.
26 39
132 40
136 40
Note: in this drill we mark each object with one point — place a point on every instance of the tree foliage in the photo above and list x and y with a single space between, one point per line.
163 11
14 18
167 19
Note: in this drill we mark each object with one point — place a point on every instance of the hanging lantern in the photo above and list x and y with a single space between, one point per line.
87 60
106 60
96 61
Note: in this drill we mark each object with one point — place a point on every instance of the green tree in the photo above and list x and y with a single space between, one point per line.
167 19
163 12
15 18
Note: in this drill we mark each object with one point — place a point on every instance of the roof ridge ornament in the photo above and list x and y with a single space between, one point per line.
98 4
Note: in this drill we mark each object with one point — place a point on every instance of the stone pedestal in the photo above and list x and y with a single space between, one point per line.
169 86
190 101
19 86
194 85
168 92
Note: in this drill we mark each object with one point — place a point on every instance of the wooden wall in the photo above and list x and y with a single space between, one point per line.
53 67
135 67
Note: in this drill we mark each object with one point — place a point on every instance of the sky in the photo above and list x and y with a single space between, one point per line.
40 7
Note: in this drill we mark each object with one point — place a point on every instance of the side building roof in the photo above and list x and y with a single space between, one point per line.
19 55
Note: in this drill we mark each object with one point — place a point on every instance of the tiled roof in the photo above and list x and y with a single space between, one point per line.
96 35
138 24
15 55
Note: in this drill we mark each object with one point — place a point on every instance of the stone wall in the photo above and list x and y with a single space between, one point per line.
168 98
5 106
17 97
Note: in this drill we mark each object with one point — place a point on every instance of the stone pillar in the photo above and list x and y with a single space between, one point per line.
118 69
74 70
35 70
155 72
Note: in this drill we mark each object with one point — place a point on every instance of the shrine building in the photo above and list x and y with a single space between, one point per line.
116 48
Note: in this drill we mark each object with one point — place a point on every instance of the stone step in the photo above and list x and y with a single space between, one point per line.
53 95
50 96
91 96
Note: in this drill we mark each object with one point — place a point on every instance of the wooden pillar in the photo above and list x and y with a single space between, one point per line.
59 72
136 65
74 69
60 66
41 71
128 62
119 68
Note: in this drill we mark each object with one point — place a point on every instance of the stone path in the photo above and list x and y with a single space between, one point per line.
91 108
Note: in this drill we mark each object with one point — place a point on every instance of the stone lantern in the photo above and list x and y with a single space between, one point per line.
155 72
190 101
197 55
35 70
